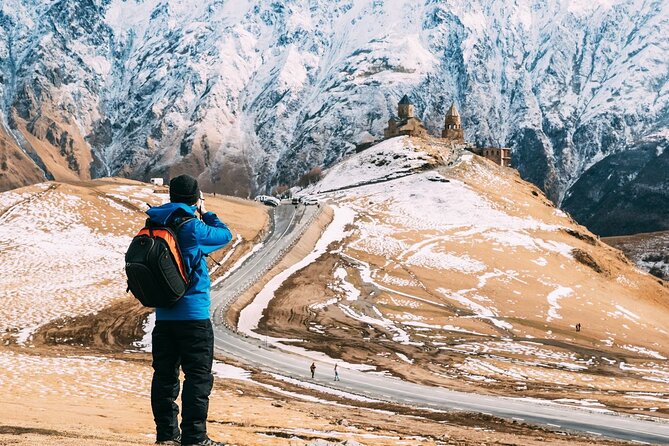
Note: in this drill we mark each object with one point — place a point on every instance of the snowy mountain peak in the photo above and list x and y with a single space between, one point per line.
248 95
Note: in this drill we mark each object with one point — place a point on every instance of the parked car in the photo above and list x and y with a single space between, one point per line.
295 201
309 201
268 200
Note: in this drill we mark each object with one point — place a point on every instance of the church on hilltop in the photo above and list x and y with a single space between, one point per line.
406 124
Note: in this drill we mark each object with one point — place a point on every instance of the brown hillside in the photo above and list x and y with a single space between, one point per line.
78 379
16 168
477 281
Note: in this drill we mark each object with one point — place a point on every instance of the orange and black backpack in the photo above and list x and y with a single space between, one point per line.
154 266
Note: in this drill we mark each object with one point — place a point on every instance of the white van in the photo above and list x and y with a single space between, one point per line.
268 200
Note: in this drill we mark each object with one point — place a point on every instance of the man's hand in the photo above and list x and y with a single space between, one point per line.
200 205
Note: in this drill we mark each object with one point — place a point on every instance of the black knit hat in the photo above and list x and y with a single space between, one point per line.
184 189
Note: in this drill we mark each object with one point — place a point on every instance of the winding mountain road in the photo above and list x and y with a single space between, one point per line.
288 224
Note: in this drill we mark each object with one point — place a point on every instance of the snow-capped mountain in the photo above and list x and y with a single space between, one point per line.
250 94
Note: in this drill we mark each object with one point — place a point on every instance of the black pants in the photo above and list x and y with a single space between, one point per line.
189 344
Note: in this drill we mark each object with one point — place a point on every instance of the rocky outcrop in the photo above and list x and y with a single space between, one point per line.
16 167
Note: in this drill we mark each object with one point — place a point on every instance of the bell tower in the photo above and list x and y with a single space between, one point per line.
405 108
452 126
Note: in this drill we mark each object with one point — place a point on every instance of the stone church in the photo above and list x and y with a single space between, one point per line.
406 124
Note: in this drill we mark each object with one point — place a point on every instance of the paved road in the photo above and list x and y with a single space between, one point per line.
287 224
289 221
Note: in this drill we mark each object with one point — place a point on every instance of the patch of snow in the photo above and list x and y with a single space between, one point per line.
113 204
78 376
250 316
478 309
627 282
322 305
483 279
366 276
570 366
227 371
481 367
350 291
584 402
626 314
398 281
553 297
145 344
442 327
427 258
399 335
26 334
404 357
540 261
388 159
643 351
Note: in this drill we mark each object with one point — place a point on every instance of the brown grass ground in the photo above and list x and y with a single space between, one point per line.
77 385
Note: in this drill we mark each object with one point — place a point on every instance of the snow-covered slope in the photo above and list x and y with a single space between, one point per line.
61 254
62 248
250 94
466 275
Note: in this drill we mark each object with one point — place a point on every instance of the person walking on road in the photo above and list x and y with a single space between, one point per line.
183 336
313 369
336 370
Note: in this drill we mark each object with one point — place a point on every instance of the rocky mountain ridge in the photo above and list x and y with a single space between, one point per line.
250 94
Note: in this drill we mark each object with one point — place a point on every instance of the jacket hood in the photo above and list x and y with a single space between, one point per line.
162 215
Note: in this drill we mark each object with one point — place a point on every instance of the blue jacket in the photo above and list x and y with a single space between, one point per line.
196 238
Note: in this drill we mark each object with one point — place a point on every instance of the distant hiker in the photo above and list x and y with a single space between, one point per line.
578 327
336 372
313 369
183 335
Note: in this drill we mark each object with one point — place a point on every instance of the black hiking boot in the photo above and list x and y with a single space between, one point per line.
206 442
176 441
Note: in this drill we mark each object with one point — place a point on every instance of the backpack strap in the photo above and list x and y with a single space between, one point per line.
177 223
149 225
175 226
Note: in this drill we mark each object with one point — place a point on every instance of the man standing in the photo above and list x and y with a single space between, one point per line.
183 335
313 369
336 370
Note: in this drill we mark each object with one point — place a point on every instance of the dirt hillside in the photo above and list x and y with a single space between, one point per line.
466 276
72 366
